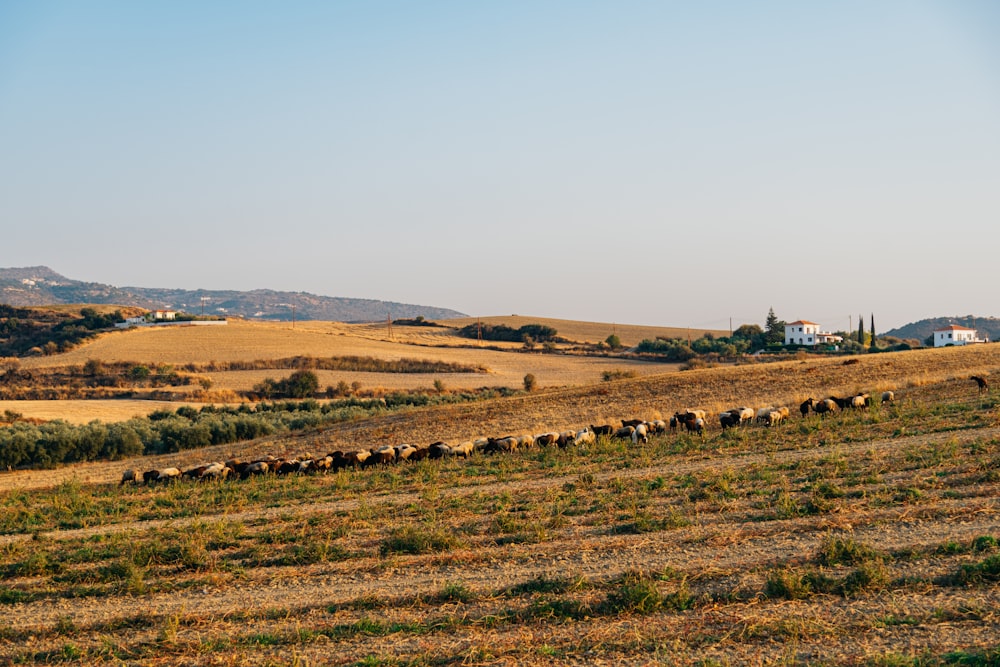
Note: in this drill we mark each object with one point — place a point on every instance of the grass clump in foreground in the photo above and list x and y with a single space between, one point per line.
418 540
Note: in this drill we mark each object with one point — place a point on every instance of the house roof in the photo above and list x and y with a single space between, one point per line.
954 327
802 322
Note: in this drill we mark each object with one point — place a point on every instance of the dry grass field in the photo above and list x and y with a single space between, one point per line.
861 538
506 364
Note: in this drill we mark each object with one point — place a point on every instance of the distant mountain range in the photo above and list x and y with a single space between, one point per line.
41 286
988 327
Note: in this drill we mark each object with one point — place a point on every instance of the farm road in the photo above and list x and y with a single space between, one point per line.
713 545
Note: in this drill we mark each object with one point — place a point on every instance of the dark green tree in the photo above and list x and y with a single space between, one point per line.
872 346
613 341
861 329
774 329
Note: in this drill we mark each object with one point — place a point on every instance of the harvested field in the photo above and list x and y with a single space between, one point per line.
865 537
242 341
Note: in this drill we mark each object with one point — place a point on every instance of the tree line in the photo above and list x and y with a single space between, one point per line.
24 444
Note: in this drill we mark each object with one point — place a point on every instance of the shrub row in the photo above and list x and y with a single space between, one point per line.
26 445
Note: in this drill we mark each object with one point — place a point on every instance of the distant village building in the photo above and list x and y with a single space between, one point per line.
804 332
954 334
164 314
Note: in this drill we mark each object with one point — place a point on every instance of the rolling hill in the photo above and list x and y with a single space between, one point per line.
40 285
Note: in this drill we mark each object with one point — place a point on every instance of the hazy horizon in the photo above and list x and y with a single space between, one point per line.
670 164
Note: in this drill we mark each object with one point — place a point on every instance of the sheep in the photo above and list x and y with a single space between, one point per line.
639 434
404 452
774 418
624 433
464 449
858 402
258 468
981 382
805 406
129 476
888 397
746 414
215 471
728 420
507 444
168 475
382 456
824 406
565 439
585 437
763 414
546 439
150 476
420 452
658 426
603 429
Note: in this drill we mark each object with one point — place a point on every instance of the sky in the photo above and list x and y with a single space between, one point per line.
666 163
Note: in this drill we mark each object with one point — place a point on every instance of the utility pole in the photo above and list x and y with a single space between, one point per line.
388 323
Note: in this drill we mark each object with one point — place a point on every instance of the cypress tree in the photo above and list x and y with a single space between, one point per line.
861 330
872 346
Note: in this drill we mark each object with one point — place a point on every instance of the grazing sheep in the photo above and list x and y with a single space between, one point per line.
805 406
404 452
633 422
728 420
258 468
585 437
624 433
888 397
566 438
168 475
464 449
546 439
508 444
746 414
981 383
150 476
775 418
858 402
640 434
825 406
603 429
763 414
129 476
420 453
657 426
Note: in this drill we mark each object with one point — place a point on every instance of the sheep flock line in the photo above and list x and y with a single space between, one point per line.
636 430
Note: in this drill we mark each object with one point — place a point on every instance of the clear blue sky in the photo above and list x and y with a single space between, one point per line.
672 163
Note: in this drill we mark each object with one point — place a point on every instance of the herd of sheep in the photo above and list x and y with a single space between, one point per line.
636 430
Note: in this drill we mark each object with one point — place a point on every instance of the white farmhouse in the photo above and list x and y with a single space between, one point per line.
954 334
164 314
801 332
804 332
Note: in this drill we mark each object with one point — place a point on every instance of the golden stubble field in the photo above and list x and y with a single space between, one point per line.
864 538
506 363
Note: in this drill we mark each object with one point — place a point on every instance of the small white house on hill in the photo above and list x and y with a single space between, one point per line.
954 334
